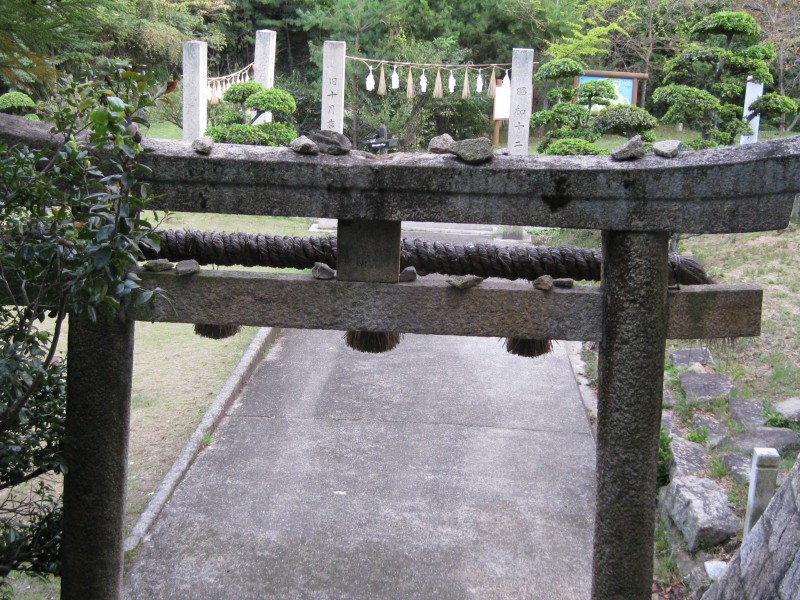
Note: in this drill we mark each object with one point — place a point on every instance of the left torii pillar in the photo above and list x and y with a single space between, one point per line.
99 371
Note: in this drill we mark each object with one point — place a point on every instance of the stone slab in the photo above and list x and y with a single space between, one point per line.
716 430
779 438
689 356
738 465
749 413
337 475
688 458
705 387
789 408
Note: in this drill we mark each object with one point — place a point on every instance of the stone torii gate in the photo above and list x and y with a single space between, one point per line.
636 205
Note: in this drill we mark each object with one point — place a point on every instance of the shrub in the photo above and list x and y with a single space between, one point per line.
264 134
238 93
571 147
16 103
559 68
624 120
280 103
664 458
276 134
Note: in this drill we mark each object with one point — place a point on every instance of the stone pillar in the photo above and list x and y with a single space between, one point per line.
332 117
264 64
195 90
631 373
521 93
763 477
99 368
752 92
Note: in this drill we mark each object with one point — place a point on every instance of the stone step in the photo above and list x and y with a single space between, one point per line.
705 387
748 413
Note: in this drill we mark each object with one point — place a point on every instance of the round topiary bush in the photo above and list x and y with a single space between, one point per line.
280 103
240 92
558 69
624 120
16 103
276 133
571 147
237 133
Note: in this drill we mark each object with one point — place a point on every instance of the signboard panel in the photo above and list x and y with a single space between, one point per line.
624 87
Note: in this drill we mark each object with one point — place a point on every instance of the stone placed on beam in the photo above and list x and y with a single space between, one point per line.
441 144
330 142
323 271
187 267
563 282
203 145
304 145
474 152
464 282
667 148
632 149
408 274
158 265
544 283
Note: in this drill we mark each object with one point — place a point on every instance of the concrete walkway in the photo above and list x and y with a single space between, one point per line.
445 469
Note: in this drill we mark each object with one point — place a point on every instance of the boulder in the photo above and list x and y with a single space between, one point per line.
716 430
464 282
544 283
408 274
688 458
738 465
779 438
668 148
748 413
699 508
690 356
441 144
705 387
789 408
187 267
473 152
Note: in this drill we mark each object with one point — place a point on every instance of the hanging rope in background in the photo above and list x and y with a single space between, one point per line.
217 86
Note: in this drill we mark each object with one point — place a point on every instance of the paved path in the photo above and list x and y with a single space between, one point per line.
446 469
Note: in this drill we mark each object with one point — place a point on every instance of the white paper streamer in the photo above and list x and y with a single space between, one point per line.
370 81
451 83
479 82
423 82
395 78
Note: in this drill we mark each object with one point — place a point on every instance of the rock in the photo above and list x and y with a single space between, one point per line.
157 265
630 150
330 142
304 145
668 148
705 387
408 274
668 400
441 144
502 152
699 508
779 438
668 424
545 282
322 271
187 267
473 152
716 430
738 465
689 356
688 458
564 282
789 408
203 145
464 282
715 568
747 412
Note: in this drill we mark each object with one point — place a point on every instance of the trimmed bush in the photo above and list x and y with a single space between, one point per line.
558 69
624 120
238 93
265 134
280 103
16 103
277 134
571 147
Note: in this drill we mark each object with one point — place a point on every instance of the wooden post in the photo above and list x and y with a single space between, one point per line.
99 369
195 90
264 64
332 117
631 372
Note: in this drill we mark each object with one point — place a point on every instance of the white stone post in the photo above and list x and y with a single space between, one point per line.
332 117
521 93
763 476
264 64
195 90
752 93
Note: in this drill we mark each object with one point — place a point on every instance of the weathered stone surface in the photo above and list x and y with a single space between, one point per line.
408 274
441 144
705 387
464 282
779 438
689 356
688 458
203 145
632 149
715 568
564 282
789 408
668 148
699 508
187 267
668 400
474 152
738 465
330 142
716 430
712 191
323 271
545 282
747 412
158 265
768 563
304 145
668 424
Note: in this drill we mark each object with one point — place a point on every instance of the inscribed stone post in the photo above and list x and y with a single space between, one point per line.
264 64
752 93
195 90
521 94
332 118
763 477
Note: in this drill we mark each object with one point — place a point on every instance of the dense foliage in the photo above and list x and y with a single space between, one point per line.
234 122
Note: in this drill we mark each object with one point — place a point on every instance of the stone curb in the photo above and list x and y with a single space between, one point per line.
230 390
588 395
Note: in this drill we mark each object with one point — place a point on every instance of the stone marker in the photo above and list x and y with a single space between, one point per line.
748 413
545 283
464 282
705 387
474 151
203 145
689 356
688 458
630 150
408 274
668 148
195 91
763 475
441 144
520 96
779 438
187 267
304 145
789 408
322 271
699 508
157 265
333 88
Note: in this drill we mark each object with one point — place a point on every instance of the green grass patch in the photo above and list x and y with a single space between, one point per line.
164 130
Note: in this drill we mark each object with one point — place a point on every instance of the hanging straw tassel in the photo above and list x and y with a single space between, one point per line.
216 332
492 84
529 348
382 83
437 86
465 91
374 342
410 92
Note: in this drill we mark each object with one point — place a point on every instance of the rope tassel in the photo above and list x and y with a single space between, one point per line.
410 93
382 83
437 86
216 332
372 342
528 348
492 84
465 90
